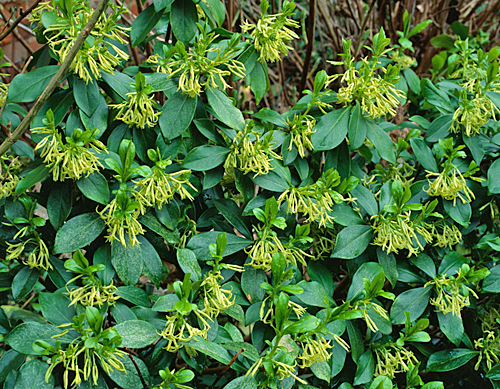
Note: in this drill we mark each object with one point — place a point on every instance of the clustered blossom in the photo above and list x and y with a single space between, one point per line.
271 33
449 186
301 129
393 359
100 51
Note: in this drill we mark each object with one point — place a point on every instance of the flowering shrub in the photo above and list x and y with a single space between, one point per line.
154 235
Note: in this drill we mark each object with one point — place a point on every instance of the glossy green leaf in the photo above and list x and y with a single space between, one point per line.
26 87
352 241
95 187
447 360
177 114
224 110
78 232
136 333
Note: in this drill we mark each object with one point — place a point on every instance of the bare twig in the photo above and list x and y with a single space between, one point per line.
226 368
11 139
144 384
363 26
19 19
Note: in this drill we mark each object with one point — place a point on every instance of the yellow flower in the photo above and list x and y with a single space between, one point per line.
8 176
138 108
404 61
93 293
37 258
215 299
450 294
4 89
120 222
271 33
175 331
301 129
399 232
392 360
489 348
449 236
159 188
449 185
253 157
315 350
71 159
473 114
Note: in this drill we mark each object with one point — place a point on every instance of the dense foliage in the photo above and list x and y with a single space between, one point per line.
154 235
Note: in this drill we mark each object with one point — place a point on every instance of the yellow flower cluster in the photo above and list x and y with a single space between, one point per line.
175 332
71 159
137 110
489 348
267 244
392 360
301 129
97 51
473 114
404 61
253 157
448 237
398 232
4 89
93 293
215 299
449 185
271 33
119 225
450 294
377 95
8 178
37 258
70 360
159 188
315 350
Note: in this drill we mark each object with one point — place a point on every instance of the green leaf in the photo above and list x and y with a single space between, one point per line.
436 97
365 198
99 119
232 213
451 263
205 157
129 379
136 333
86 95
443 41
278 179
150 221
144 23
78 232
189 264
388 262
26 87
250 284
314 294
160 82
211 349
165 303
177 114
33 373
493 373
59 203
95 187
424 263
10 360
258 81
413 301
127 261
491 283
119 82
183 18
381 141
357 128
242 382
439 128
452 326
352 241
345 215
424 154
56 308
35 176
217 10
493 174
413 80
365 369
460 212
153 266
134 295
22 337
447 360
331 130
367 270
24 282
224 110
317 272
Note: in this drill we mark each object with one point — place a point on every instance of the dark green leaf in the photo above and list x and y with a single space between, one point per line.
9 361
381 141
177 114
357 128
365 369
224 110
134 295
424 154
491 283
352 241
86 95
127 261
493 175
189 264
24 282
94 187
183 18
26 87
458 211
78 232
144 23
277 180
33 373
22 337
136 333
33 177
447 360
331 130
205 157
232 213
56 309
413 301
452 326
59 203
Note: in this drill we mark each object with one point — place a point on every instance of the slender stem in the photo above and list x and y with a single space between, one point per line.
14 137
310 43
363 26
144 385
19 19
